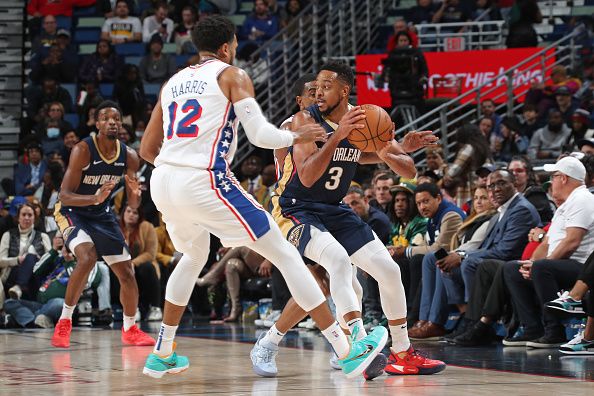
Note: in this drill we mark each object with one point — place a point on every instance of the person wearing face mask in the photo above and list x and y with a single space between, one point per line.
547 142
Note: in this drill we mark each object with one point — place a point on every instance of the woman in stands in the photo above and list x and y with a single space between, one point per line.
142 241
102 66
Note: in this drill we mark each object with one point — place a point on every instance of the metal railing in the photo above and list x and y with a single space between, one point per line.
324 29
447 117
476 35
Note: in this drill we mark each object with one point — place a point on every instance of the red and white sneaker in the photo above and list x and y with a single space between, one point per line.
61 337
412 363
137 337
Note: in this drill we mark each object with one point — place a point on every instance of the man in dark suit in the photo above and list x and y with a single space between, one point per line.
28 177
506 237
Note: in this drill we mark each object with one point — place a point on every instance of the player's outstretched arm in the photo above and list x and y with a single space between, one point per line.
150 145
79 159
311 162
132 186
238 88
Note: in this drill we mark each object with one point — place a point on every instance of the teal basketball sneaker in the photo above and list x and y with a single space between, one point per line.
363 351
157 366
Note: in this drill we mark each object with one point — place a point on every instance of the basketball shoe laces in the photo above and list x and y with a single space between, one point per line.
63 329
413 357
264 355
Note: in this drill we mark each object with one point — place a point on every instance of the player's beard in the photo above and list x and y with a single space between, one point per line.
330 109
111 136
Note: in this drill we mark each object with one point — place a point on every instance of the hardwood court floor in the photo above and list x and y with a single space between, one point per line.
97 364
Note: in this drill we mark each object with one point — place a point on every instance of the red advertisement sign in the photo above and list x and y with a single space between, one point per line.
473 68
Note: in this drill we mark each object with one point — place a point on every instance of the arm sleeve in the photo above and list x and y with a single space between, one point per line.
258 130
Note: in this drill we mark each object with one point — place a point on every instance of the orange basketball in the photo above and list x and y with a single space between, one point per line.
377 132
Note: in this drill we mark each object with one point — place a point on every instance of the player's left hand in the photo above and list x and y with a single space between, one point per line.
415 140
133 184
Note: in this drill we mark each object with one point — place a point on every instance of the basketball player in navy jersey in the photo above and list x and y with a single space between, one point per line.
89 226
308 210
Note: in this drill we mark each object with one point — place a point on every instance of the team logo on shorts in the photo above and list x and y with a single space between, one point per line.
66 233
295 235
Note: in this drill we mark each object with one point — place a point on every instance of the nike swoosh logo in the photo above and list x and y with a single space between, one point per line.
170 364
365 352
97 162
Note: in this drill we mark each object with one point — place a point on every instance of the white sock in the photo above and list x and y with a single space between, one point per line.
129 321
67 311
400 341
164 345
338 340
357 322
273 335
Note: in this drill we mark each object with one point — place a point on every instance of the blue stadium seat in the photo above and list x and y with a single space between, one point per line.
64 22
181 60
71 88
152 89
106 90
137 49
85 11
132 60
87 35
72 118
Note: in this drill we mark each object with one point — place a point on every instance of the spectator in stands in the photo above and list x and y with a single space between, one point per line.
435 161
586 146
423 12
236 263
102 66
251 169
557 262
70 140
167 256
28 176
129 92
452 11
88 97
20 248
487 10
486 127
122 28
289 12
505 240
488 111
142 240
512 142
580 130
548 142
48 35
526 184
468 238
53 66
69 50
565 104
521 32
106 7
182 34
261 25
382 184
473 152
86 128
543 96
530 122
158 24
47 193
156 67
400 25
49 92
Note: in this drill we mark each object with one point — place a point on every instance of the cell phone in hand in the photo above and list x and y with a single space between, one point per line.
441 254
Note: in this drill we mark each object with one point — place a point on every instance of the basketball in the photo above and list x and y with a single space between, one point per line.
377 132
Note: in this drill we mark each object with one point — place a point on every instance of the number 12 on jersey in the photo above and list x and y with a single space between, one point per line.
186 127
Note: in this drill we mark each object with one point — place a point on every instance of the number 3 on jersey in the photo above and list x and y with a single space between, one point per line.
334 173
186 126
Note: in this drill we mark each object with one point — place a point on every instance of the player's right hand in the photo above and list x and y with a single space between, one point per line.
105 191
350 121
310 133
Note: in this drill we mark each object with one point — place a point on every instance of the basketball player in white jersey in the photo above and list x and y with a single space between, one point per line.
191 140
